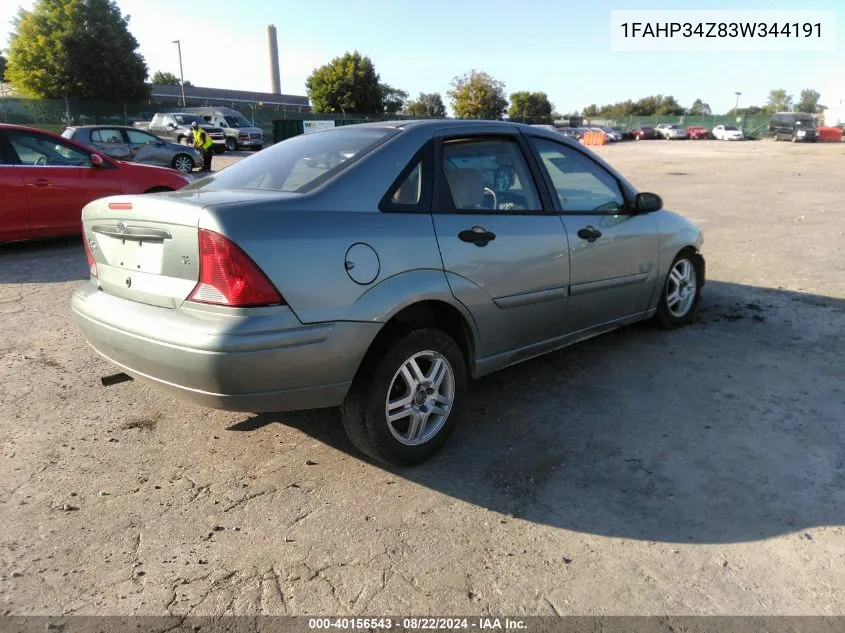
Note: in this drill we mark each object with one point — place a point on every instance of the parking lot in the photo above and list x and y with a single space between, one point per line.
643 472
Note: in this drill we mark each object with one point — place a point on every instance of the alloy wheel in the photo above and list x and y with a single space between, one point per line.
681 288
420 398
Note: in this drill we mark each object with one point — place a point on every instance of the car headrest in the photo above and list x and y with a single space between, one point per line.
467 187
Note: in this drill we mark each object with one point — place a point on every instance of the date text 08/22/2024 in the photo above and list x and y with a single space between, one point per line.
479 623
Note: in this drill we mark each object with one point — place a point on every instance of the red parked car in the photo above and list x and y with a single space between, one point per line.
697 131
45 180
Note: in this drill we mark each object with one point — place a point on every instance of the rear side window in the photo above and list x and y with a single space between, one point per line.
300 163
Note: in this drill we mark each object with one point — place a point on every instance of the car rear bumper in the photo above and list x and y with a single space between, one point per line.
253 360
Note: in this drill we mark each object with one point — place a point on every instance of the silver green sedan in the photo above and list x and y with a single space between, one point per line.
138 146
379 268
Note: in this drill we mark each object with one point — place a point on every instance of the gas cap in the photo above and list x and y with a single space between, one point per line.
362 263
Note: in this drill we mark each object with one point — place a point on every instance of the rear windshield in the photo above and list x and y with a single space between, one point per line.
300 163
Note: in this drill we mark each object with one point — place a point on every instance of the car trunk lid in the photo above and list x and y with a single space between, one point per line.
145 247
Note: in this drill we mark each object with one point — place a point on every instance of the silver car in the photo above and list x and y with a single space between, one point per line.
379 268
131 144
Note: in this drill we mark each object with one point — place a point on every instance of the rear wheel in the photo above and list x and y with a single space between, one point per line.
405 402
231 144
681 291
183 163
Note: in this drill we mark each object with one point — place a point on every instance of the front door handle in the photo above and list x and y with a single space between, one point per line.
589 233
41 182
477 235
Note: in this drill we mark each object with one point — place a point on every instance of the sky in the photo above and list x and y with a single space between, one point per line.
561 47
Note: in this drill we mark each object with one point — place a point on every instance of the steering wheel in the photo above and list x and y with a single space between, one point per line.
491 193
41 160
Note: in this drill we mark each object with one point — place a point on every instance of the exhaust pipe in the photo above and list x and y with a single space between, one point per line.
115 379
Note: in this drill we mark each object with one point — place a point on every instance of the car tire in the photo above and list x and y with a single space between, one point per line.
183 163
681 291
231 144
218 150
392 374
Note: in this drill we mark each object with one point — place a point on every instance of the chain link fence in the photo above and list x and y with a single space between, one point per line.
751 125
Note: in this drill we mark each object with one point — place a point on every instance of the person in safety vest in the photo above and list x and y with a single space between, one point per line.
204 144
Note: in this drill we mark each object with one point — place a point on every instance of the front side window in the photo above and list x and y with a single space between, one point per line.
581 184
300 163
45 151
488 174
137 137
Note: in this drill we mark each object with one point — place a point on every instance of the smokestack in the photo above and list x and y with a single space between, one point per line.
275 77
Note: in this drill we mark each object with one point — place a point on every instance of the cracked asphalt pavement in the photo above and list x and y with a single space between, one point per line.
699 471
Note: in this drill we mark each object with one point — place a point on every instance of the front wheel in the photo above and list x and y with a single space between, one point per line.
405 403
681 292
183 163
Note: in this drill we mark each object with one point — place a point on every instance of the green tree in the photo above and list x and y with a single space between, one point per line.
699 107
80 49
429 105
530 107
477 95
347 84
167 79
2 67
809 101
392 98
591 110
779 100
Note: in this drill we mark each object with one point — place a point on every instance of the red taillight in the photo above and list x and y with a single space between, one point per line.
92 263
120 206
229 277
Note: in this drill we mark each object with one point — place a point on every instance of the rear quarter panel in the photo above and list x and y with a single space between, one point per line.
304 253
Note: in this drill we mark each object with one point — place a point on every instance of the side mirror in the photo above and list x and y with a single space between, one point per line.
647 202
96 160
172 126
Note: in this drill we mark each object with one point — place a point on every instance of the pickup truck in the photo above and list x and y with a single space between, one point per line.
176 127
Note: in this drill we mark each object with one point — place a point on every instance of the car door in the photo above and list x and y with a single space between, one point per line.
111 142
146 148
59 180
503 249
612 252
14 220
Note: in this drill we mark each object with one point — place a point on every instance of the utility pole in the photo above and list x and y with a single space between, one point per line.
736 107
181 74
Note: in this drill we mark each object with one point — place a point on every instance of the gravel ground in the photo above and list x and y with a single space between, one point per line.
700 471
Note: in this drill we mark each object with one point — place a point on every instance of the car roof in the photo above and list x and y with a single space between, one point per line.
26 128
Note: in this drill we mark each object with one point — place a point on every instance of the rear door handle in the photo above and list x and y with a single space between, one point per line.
41 182
477 235
589 233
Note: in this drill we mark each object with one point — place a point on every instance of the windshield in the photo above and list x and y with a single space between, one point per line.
730 128
187 119
237 121
298 164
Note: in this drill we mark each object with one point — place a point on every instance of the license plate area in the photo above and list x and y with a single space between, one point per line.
136 255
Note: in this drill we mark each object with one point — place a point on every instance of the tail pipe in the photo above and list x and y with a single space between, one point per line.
115 379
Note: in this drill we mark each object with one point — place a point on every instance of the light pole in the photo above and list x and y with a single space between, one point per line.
181 74
736 107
